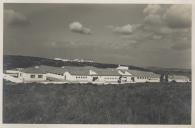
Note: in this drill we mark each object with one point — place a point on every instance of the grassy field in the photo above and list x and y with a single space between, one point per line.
146 103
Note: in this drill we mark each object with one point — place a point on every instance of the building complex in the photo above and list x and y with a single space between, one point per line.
70 74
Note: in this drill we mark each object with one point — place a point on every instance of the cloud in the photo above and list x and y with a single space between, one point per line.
152 9
173 16
125 30
181 46
178 16
79 28
153 14
157 37
14 18
153 19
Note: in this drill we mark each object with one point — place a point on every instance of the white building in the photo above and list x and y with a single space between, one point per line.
126 77
32 74
178 78
77 74
107 76
122 67
68 74
143 76
71 74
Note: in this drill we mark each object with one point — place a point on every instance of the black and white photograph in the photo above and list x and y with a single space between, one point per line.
97 63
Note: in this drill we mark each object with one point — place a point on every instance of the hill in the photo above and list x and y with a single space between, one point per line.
15 61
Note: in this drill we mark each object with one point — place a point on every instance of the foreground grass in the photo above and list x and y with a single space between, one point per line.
109 104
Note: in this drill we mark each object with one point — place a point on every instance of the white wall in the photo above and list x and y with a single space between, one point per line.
55 76
106 79
154 80
126 78
148 79
26 77
78 78
178 80
11 78
11 71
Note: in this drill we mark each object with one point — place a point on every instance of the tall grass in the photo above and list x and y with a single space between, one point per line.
149 103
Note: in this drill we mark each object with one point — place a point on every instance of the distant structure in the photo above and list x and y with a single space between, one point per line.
74 60
122 67
68 74
178 78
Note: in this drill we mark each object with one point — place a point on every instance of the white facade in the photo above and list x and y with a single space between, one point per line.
105 79
56 76
77 78
13 73
178 78
122 67
31 77
146 79
88 75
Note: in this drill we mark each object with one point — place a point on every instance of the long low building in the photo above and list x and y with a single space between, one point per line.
71 74
135 76
178 78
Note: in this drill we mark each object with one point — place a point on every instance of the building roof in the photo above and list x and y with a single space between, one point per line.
35 70
106 72
142 73
77 70
43 69
181 77
55 70
122 67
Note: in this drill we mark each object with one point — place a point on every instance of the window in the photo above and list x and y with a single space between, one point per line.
32 76
40 76
132 78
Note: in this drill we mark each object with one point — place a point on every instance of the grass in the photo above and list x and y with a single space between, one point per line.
148 103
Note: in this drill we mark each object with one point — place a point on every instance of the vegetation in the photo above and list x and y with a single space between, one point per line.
146 103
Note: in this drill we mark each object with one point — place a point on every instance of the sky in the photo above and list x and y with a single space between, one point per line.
130 34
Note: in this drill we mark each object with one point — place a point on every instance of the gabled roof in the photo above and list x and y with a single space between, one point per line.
142 73
106 72
55 70
43 69
77 70
33 70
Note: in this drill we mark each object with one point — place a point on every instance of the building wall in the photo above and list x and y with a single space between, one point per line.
178 80
126 77
55 76
78 78
106 79
154 79
26 77
13 73
147 79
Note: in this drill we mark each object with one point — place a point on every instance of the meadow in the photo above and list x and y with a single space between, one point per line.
144 103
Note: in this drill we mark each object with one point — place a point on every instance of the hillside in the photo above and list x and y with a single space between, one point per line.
13 61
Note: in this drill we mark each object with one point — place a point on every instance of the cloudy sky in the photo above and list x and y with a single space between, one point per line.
142 35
